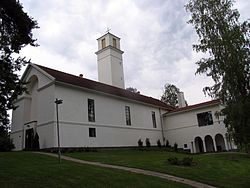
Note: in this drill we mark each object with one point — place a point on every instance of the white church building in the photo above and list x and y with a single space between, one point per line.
104 114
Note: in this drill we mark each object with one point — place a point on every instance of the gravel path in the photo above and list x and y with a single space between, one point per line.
135 170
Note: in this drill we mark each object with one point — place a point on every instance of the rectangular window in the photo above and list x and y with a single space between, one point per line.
114 42
127 113
91 110
153 119
205 119
103 43
92 132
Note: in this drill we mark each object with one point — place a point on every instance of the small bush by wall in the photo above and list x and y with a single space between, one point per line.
148 144
159 143
167 144
6 144
140 143
175 147
186 161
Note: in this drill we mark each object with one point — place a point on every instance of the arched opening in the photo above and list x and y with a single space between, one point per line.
209 143
198 145
220 143
30 109
32 92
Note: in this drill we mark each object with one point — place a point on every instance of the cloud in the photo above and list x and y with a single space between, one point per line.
155 37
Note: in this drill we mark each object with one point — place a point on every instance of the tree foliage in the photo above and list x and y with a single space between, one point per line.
5 141
132 89
225 41
15 33
169 95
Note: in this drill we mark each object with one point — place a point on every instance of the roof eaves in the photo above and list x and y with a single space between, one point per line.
194 107
110 94
104 88
42 71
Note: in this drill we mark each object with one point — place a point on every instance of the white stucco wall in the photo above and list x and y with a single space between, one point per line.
110 122
110 67
35 106
117 71
43 80
104 67
37 110
182 127
46 117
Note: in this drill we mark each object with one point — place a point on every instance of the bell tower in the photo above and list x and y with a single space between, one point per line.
109 60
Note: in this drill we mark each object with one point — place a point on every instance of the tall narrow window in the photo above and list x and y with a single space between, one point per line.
103 43
127 113
91 110
114 42
153 119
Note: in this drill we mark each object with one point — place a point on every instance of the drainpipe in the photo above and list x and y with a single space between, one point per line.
162 131
23 138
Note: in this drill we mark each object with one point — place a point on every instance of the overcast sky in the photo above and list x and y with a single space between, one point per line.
156 40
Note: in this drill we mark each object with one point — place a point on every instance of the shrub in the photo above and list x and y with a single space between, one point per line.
140 143
167 144
174 161
187 161
248 148
6 144
147 142
159 143
175 147
36 142
87 149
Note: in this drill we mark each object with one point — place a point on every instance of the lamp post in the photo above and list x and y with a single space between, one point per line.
58 101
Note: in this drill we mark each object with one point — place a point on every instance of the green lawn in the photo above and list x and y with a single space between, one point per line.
25 169
222 169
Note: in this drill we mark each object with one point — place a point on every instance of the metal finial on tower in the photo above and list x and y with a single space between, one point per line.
108 29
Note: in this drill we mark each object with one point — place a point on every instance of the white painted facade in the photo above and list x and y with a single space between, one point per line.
35 106
110 124
109 60
37 111
182 127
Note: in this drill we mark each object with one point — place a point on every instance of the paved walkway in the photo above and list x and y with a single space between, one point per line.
135 170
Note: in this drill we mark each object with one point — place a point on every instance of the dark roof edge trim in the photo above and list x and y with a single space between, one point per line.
108 94
193 107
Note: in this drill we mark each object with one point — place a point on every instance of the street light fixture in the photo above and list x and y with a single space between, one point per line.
58 101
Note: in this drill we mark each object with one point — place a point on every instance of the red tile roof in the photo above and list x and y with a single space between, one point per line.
97 86
195 106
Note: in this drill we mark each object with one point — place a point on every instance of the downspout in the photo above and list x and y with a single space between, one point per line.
162 131
23 138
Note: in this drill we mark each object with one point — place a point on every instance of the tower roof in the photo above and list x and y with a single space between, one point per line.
109 34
